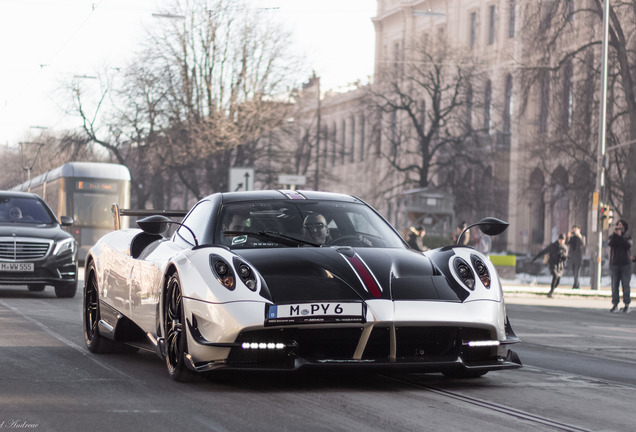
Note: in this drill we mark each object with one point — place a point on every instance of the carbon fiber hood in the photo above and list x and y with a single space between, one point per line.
346 273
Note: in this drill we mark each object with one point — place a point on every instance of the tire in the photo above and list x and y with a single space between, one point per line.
36 287
95 342
66 290
175 331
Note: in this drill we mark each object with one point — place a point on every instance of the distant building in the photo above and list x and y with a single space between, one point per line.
347 152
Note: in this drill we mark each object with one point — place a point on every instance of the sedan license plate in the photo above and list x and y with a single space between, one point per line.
16 267
319 312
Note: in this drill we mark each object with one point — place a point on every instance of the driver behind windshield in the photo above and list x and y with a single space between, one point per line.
238 221
316 225
15 214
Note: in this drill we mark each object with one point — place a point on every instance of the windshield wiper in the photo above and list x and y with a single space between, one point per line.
283 238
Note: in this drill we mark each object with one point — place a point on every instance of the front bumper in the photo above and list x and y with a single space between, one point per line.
434 342
50 270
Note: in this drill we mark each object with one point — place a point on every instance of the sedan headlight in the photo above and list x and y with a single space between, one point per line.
64 245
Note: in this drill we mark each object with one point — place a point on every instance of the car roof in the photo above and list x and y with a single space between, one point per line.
263 195
11 194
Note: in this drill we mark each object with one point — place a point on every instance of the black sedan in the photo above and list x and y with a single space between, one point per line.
34 250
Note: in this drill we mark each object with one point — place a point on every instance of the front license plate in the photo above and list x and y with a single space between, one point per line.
319 312
16 267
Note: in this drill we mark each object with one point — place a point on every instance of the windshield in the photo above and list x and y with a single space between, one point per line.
306 223
24 210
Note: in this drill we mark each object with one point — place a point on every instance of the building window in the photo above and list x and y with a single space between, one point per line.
507 113
569 10
343 147
547 7
588 102
352 155
511 19
362 136
334 144
488 106
473 29
544 102
469 108
395 137
325 147
568 96
491 25
397 53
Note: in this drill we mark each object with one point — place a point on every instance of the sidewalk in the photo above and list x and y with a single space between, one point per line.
533 290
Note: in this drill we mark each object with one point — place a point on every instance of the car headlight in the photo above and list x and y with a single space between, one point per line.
63 246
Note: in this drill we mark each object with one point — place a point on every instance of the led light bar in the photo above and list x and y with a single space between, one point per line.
263 345
486 343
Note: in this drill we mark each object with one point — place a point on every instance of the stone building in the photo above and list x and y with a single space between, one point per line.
510 119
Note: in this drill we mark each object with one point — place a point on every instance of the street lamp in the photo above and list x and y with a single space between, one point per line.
600 173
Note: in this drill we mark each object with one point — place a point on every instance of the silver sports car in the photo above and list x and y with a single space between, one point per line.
290 279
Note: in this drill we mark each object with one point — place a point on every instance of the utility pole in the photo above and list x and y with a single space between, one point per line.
23 156
317 171
598 197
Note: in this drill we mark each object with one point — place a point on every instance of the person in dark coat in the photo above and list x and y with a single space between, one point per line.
620 264
414 238
576 246
558 253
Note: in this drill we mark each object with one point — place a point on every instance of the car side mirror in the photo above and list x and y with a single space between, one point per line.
159 224
489 225
66 220
155 224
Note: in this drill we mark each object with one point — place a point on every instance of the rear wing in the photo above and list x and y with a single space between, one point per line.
119 212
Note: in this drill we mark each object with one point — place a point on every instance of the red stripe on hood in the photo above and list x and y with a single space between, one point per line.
365 274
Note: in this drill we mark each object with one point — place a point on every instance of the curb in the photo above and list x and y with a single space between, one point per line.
542 290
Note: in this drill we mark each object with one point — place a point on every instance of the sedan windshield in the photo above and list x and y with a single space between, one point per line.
24 210
307 223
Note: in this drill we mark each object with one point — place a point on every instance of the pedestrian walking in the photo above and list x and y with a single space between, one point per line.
415 237
620 264
576 246
557 254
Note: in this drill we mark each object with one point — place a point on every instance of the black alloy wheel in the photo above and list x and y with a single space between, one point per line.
174 331
94 341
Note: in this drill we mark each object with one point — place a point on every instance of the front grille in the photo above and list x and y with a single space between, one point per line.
20 250
312 344
414 345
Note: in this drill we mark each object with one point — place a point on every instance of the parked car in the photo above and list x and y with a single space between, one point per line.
289 279
34 250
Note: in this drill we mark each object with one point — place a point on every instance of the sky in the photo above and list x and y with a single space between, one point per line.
46 43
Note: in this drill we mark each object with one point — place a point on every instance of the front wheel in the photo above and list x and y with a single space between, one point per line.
175 331
95 342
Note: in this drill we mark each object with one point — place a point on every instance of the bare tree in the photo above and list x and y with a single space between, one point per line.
201 97
228 81
435 132
562 64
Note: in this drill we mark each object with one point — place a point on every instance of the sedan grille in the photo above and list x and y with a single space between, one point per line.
20 250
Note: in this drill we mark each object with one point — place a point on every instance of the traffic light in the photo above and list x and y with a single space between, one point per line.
607 215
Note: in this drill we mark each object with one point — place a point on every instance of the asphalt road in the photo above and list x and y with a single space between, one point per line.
579 374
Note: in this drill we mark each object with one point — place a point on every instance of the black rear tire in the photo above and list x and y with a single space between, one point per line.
175 332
